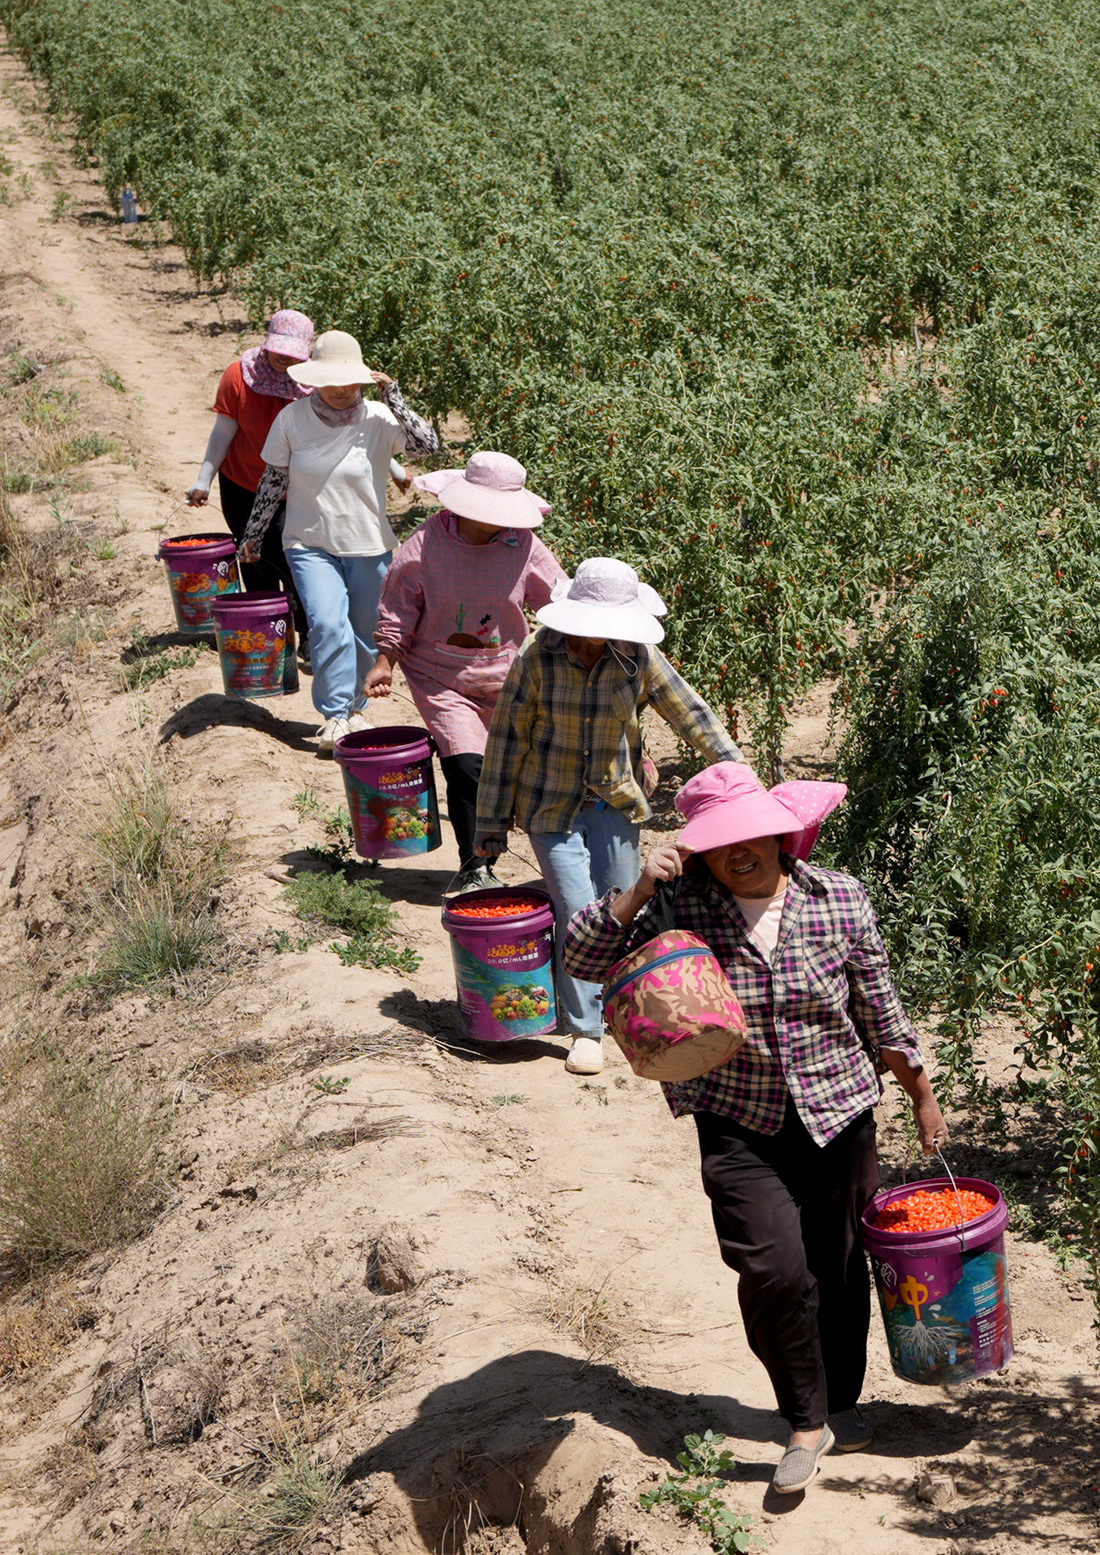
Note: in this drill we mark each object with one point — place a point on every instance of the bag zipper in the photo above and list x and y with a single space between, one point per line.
669 955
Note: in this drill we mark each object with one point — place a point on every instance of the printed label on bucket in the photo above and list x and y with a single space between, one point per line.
395 816
259 663
193 592
509 994
948 1320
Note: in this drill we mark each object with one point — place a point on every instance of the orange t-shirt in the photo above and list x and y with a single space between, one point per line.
253 414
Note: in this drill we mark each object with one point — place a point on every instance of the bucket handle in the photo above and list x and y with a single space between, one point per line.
961 1227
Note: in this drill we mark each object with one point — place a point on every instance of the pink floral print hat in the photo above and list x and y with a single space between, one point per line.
492 489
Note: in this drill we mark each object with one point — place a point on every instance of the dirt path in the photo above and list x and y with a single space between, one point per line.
572 1321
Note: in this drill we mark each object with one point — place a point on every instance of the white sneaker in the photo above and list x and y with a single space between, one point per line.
585 1056
331 730
358 720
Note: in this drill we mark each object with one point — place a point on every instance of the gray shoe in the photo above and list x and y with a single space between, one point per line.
798 1465
476 877
851 1431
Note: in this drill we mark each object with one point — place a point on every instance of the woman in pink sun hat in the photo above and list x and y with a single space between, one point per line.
452 614
786 1128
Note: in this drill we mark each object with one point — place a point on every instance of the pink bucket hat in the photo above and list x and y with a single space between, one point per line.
492 489
605 599
728 803
289 334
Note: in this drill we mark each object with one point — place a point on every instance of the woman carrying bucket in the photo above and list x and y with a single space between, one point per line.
786 1128
564 758
329 457
250 395
452 615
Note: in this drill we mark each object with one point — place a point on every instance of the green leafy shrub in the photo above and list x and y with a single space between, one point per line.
696 1494
359 910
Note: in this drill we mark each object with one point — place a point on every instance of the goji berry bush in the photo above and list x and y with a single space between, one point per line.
794 306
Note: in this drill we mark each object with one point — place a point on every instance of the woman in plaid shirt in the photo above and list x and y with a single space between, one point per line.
564 759
786 1128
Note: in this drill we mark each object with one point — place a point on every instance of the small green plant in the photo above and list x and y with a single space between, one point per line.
22 369
338 851
330 1084
145 661
598 1093
91 446
696 1494
360 911
112 380
62 201
282 943
508 1101
103 550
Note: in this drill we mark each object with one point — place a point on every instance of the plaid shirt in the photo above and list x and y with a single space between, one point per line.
817 1013
563 735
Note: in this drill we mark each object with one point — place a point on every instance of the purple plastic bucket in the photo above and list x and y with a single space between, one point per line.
504 967
390 786
255 634
197 576
943 1294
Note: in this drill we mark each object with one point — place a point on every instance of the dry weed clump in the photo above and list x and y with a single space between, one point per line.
36 1326
82 1162
155 875
346 1349
586 1315
171 1382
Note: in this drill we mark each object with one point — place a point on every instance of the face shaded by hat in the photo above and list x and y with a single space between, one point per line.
728 803
605 600
492 489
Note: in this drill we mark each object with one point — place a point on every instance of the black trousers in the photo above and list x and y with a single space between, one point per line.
787 1214
270 575
462 774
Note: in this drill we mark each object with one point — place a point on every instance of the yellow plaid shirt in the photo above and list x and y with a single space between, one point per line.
563 735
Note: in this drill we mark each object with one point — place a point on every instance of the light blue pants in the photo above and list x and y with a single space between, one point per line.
600 854
340 597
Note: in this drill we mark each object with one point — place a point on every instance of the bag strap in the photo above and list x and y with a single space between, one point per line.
656 917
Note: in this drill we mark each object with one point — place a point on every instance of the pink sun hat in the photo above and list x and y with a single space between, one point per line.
728 803
289 333
492 489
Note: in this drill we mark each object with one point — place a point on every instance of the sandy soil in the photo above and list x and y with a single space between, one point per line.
568 1320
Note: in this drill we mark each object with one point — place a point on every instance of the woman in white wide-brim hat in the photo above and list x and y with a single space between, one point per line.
329 457
564 759
453 616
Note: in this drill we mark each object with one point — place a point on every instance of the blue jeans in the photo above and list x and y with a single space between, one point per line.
600 854
340 597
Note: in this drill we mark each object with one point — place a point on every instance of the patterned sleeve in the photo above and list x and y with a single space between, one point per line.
687 713
402 602
873 1003
594 939
419 435
543 571
270 496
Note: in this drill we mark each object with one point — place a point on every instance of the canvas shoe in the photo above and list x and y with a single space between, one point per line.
476 877
357 721
331 730
585 1056
798 1465
851 1431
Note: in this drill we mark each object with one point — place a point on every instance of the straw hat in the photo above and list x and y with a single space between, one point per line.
605 599
728 803
337 362
492 489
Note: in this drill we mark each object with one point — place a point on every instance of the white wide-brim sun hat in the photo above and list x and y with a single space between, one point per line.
606 599
492 489
337 362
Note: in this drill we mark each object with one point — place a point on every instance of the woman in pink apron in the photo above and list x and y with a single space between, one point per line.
452 614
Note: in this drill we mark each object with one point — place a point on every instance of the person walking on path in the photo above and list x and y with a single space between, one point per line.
328 457
250 395
565 760
786 1128
452 615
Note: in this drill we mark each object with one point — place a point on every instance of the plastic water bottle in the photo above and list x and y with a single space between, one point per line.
129 205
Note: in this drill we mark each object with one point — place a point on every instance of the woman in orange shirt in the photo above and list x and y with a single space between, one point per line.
250 395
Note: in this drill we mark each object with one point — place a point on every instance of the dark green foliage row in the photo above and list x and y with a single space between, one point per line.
680 260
